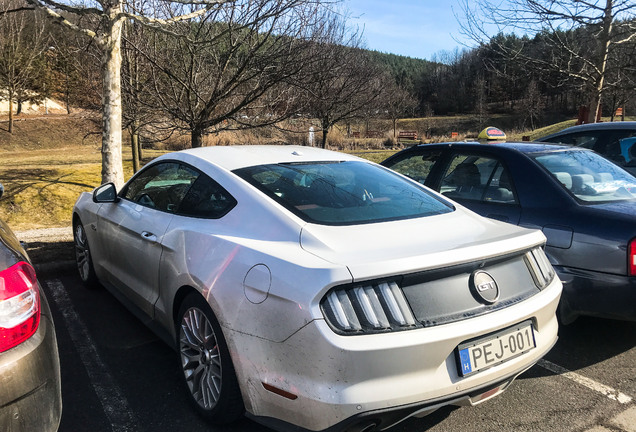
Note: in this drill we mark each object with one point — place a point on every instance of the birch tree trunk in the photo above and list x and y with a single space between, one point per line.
604 42
112 169
108 37
10 112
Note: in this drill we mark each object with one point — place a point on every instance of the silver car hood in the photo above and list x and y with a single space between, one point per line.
416 244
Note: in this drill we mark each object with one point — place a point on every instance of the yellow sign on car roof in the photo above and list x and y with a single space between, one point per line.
492 134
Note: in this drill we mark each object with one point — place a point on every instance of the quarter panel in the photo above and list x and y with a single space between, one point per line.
215 256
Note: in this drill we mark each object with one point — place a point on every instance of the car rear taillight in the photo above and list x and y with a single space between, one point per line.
631 257
19 305
369 308
540 267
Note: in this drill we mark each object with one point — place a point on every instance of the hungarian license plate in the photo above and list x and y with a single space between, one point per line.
479 354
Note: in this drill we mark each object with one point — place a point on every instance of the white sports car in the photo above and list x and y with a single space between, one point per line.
313 290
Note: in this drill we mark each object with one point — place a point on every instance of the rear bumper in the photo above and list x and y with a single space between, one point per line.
30 394
371 382
597 294
381 419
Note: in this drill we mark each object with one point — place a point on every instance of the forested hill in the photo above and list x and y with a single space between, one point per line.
408 71
550 74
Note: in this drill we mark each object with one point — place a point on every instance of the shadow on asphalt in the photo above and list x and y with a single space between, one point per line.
51 257
590 340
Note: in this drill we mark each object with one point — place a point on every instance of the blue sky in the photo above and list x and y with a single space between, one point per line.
414 28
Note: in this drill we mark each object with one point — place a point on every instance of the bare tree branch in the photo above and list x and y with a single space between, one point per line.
581 36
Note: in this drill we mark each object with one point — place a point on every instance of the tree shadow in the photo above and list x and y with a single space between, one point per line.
17 181
50 253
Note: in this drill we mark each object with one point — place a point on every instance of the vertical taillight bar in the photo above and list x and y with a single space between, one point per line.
631 258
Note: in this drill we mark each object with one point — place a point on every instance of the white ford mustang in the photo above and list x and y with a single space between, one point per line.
313 290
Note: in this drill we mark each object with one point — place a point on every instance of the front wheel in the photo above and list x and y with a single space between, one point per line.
205 361
83 256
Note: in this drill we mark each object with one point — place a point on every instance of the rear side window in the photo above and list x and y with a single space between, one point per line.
206 199
479 179
344 193
417 166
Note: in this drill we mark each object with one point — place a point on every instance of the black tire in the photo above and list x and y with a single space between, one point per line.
83 256
207 370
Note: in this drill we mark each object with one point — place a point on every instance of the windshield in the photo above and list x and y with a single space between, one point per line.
343 193
588 176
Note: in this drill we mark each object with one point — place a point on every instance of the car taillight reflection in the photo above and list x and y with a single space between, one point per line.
19 305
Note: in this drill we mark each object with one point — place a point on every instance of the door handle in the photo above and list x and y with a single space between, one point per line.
148 236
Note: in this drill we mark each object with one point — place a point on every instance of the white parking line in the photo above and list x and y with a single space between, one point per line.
589 383
113 401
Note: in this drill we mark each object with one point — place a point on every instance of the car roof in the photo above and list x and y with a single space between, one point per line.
522 147
241 156
596 126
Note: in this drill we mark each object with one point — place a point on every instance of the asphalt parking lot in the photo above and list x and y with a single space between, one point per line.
118 376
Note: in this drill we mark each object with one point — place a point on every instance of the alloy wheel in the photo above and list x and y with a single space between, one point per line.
82 252
200 358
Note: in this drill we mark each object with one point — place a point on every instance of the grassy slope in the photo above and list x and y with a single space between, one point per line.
44 166
47 162
544 131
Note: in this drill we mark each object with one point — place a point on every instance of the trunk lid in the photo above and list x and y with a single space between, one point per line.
399 247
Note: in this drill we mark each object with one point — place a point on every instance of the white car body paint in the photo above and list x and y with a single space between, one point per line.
276 330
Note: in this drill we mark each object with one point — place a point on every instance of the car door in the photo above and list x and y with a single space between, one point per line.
132 229
482 183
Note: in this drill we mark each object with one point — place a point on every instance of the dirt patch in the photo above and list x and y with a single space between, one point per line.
50 132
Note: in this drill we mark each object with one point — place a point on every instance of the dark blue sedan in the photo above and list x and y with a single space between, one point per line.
584 204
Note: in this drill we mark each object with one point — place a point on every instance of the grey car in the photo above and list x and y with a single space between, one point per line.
30 388
614 140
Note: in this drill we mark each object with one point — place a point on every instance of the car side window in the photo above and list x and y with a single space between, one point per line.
479 179
628 150
161 186
579 139
417 166
604 142
611 145
206 199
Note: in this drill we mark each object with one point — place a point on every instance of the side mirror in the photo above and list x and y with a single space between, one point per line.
1 190
106 193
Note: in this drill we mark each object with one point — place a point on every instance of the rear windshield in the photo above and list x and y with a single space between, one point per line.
343 193
589 176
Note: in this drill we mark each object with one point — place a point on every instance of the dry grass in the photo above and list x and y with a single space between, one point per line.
44 165
541 132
